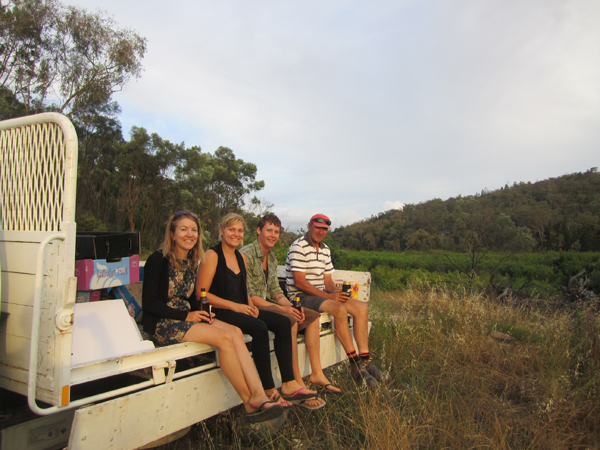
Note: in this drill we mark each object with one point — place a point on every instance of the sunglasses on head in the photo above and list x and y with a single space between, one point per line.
319 220
184 213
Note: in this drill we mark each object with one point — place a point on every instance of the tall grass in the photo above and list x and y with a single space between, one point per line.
455 387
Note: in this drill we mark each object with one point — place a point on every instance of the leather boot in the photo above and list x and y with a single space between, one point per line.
375 372
359 373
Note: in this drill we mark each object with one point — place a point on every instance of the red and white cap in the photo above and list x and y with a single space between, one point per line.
322 220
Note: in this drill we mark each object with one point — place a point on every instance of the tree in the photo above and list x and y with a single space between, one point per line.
215 185
143 168
63 58
99 145
478 229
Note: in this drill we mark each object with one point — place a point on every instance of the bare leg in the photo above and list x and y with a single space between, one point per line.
342 329
289 388
295 365
236 369
312 340
360 311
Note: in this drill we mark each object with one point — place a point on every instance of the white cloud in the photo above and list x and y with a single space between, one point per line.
392 205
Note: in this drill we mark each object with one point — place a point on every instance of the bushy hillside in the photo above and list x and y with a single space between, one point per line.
556 214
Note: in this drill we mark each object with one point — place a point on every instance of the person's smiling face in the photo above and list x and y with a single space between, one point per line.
317 232
268 236
185 237
233 234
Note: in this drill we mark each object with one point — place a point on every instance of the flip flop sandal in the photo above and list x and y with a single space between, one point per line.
263 414
278 397
297 396
322 388
302 404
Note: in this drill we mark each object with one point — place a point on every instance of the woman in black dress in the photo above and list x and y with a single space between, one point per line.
223 275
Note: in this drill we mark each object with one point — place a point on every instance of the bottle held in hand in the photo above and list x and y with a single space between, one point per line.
204 302
346 287
296 304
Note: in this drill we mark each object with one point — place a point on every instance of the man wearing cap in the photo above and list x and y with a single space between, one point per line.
308 276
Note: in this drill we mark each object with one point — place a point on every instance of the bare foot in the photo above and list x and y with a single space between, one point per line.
277 398
318 401
324 382
254 403
293 387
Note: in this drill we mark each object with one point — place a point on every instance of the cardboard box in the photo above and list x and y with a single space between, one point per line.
109 245
88 296
100 274
133 307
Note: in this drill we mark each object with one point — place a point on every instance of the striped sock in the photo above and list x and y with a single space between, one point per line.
353 357
365 356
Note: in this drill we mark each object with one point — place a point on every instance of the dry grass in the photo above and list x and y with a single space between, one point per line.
455 387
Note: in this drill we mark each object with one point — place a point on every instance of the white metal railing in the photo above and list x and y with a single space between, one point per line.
38 156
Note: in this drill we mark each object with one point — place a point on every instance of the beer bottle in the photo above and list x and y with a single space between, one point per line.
204 302
346 287
296 304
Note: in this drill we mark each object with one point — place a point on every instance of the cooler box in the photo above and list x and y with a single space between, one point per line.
108 245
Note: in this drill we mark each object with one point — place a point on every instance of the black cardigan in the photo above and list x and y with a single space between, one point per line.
155 294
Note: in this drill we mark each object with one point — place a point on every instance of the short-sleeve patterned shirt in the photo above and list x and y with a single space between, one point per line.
304 257
265 287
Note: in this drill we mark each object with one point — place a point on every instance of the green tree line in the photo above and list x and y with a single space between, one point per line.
560 213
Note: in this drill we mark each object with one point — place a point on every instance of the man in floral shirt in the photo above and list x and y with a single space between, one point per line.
265 292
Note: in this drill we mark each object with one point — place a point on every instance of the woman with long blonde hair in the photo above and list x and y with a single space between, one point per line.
172 313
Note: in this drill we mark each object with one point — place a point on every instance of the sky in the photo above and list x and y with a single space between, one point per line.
352 108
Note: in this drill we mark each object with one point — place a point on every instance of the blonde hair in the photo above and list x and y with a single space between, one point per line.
229 219
167 247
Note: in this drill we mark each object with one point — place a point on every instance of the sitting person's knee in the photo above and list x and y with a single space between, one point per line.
363 308
339 309
226 339
260 327
236 333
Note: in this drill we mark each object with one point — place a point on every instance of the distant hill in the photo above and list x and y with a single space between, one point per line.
556 214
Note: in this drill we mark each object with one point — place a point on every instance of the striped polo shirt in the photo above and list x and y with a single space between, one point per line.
303 257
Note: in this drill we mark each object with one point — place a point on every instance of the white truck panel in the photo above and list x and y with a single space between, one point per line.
137 419
38 156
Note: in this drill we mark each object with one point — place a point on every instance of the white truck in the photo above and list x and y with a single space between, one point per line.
80 366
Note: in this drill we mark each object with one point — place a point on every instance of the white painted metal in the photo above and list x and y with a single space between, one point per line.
38 190
137 419
38 156
35 324
104 330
